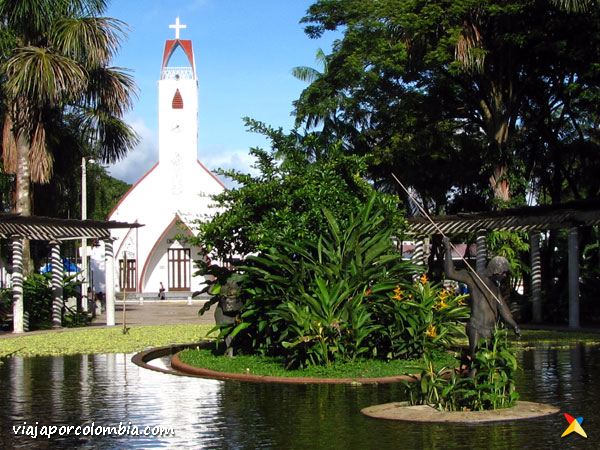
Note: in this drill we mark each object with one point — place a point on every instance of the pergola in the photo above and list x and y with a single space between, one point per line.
17 228
530 219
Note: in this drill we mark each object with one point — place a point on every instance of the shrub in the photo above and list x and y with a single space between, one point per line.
37 301
421 318
491 387
319 302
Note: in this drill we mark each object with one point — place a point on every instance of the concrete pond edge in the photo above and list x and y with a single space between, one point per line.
143 359
402 411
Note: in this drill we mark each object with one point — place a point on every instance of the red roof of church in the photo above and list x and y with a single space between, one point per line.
172 44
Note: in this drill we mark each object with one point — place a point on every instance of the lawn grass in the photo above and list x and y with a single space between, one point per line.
101 340
274 366
554 339
94 340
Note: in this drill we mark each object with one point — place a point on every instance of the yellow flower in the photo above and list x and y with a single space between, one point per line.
443 294
431 331
442 304
398 294
423 279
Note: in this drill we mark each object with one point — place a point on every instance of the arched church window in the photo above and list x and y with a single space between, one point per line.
177 100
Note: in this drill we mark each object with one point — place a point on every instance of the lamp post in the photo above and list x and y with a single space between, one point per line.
84 268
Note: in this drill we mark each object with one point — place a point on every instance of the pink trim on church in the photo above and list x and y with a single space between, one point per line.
172 44
212 175
160 238
131 190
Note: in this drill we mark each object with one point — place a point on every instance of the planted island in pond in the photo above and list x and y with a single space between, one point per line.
344 296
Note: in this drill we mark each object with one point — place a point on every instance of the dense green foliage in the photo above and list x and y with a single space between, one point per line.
60 92
452 86
447 96
295 179
492 386
37 297
339 297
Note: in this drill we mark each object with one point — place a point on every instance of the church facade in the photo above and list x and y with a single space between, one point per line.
171 196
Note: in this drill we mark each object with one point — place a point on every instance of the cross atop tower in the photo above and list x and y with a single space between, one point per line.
177 27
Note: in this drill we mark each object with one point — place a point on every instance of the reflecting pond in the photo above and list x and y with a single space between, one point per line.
105 390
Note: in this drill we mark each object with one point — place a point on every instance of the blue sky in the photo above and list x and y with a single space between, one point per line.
245 51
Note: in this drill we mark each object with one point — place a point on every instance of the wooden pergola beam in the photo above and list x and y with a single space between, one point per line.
17 228
530 219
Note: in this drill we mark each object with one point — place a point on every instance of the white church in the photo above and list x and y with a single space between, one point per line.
171 196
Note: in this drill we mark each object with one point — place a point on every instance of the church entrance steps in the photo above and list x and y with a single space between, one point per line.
170 297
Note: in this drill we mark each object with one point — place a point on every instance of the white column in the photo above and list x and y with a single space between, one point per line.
573 278
84 270
57 286
536 276
417 256
481 258
17 284
109 281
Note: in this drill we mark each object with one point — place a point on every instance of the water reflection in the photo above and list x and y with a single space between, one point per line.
108 389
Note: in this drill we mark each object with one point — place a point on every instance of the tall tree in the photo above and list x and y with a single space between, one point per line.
436 81
56 64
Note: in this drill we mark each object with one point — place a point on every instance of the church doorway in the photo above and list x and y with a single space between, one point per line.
179 269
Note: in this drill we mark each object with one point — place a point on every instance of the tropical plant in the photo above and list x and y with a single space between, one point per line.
421 318
330 300
283 200
310 299
512 246
492 386
495 368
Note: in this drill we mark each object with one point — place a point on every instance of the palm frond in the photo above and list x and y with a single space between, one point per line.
310 74
110 134
93 41
110 89
28 18
574 6
470 48
304 73
41 76
40 159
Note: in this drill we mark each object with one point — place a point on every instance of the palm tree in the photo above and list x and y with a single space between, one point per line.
56 56
331 126
58 62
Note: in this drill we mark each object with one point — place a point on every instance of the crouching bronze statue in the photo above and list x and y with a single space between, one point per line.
487 304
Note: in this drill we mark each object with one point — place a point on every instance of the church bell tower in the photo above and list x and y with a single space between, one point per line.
178 108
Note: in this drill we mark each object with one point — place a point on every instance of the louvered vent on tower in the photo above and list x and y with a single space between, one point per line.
177 101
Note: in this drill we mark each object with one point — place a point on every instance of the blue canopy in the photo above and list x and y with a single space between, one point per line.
68 266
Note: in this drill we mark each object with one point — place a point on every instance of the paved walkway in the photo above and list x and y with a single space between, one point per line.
158 313
150 313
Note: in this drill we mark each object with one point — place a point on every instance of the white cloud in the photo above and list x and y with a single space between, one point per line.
141 159
217 157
